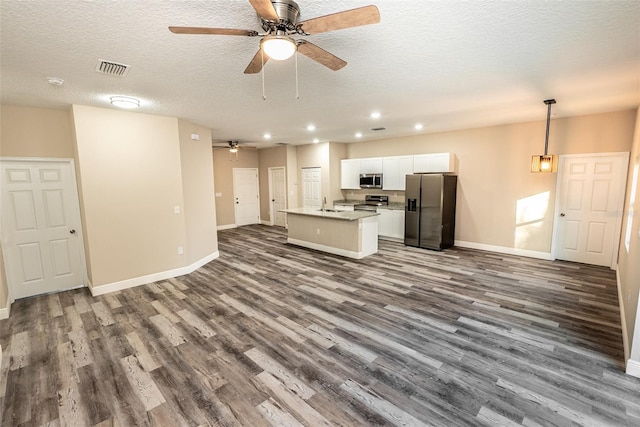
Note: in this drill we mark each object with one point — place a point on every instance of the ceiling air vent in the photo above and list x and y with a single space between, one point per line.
377 129
112 68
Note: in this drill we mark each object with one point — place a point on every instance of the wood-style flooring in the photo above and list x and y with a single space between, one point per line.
273 334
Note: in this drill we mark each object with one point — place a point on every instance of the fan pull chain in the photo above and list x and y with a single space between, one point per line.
297 92
264 97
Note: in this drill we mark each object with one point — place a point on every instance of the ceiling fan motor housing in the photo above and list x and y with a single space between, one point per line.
288 11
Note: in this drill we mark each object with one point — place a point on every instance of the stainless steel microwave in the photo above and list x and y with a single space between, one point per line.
370 180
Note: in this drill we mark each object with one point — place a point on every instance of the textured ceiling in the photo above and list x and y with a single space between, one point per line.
445 64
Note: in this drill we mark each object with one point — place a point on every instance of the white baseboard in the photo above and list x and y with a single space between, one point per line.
504 250
143 280
633 368
329 249
263 222
623 318
5 311
226 226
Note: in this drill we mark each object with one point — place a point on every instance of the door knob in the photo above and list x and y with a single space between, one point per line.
273 200
562 214
72 231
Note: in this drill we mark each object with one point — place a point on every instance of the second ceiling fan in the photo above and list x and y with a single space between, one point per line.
279 20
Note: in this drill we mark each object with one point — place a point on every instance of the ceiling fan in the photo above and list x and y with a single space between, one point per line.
232 146
279 19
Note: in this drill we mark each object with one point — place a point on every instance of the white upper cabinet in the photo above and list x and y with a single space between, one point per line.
350 174
438 162
394 170
371 165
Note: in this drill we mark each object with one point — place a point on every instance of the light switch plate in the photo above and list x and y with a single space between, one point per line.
176 209
195 137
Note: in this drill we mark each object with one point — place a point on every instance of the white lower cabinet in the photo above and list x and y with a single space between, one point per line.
391 223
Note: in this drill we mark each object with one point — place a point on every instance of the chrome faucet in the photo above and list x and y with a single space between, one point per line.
324 202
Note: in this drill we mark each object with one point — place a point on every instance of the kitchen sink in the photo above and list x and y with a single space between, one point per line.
328 210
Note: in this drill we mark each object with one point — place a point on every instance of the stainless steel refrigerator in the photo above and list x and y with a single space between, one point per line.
430 210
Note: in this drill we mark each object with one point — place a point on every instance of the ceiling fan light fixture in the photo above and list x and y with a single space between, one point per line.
279 47
124 102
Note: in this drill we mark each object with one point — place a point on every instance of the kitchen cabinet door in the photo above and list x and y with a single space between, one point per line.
394 170
371 165
434 163
350 174
391 224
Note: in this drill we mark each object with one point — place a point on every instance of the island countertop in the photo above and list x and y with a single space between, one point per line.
343 215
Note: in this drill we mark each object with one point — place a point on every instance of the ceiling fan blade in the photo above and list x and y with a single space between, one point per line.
217 31
320 55
256 63
337 21
265 9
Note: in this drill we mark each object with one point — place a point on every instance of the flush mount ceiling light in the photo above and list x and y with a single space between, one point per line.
358 134
55 81
279 47
124 102
267 136
376 115
311 128
547 162
316 140
418 126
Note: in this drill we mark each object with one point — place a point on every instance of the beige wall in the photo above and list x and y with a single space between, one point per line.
269 158
196 164
131 181
35 132
629 261
493 171
223 164
337 152
292 177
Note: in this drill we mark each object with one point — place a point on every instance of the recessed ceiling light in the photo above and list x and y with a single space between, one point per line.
267 135
55 81
358 134
316 140
124 102
311 127
375 115
418 126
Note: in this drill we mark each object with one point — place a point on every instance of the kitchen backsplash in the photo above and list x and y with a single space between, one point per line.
394 195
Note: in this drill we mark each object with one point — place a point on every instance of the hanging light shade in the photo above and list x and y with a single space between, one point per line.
279 47
545 162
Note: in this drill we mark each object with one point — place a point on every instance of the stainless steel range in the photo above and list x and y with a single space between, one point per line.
372 203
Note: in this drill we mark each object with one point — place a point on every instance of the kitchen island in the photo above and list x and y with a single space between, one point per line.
352 234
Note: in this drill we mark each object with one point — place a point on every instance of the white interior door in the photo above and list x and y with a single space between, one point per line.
278 196
42 244
246 196
589 207
311 187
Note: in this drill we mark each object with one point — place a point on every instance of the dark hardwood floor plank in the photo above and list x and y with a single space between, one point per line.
274 334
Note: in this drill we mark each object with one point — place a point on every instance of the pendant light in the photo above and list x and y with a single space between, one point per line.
545 163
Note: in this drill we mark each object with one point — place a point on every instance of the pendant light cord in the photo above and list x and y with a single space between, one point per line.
264 96
546 139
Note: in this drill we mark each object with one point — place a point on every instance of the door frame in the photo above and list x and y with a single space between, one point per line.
235 205
555 238
80 230
272 212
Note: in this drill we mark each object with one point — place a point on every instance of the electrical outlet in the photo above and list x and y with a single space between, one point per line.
176 209
180 250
